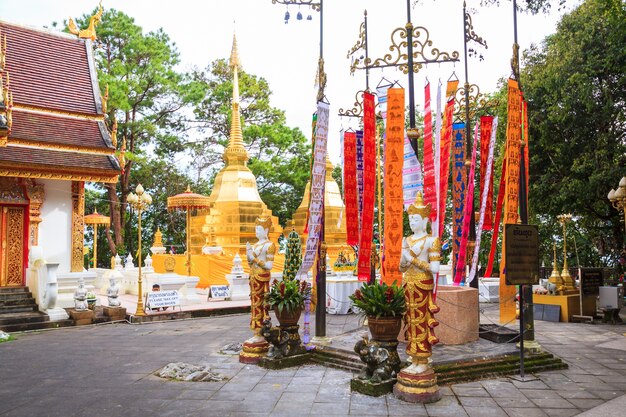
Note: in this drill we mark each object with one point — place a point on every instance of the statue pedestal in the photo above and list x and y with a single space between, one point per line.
253 352
239 286
458 315
373 389
114 313
420 387
81 317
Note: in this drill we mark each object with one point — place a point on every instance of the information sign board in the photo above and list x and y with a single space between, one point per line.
522 254
158 299
219 292
591 279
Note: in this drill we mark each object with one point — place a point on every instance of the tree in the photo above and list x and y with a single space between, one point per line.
575 83
146 95
279 155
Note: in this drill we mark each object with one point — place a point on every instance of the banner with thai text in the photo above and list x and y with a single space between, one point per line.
350 188
430 194
446 144
411 174
437 162
467 215
394 161
359 170
313 125
486 123
369 187
459 186
525 139
484 201
318 181
496 222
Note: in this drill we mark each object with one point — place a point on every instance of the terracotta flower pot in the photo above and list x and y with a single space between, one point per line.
288 318
385 329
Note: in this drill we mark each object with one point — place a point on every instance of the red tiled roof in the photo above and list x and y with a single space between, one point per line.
49 70
53 129
38 159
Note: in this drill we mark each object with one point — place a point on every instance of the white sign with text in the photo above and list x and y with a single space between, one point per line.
158 299
220 291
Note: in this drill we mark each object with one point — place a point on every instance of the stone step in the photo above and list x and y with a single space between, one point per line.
28 317
17 309
26 326
15 295
8 290
335 363
18 302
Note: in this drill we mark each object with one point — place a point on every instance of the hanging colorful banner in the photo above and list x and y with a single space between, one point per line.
496 222
437 162
459 186
485 140
394 160
459 275
359 170
350 188
318 181
525 138
313 124
430 194
411 174
369 187
446 144
484 201
511 191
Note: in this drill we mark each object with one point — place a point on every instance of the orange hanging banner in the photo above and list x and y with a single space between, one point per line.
511 192
350 188
445 149
394 199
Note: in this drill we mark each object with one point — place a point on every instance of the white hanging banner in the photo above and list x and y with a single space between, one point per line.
318 179
412 181
437 146
483 199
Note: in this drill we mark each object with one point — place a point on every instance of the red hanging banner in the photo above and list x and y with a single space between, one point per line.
394 199
430 193
496 223
486 123
350 188
369 186
459 188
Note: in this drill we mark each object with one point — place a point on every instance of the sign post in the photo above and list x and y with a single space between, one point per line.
591 279
521 267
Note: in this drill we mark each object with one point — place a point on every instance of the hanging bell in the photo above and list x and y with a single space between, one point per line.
287 17
299 16
309 17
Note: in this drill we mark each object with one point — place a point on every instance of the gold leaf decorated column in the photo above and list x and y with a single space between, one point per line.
188 201
95 219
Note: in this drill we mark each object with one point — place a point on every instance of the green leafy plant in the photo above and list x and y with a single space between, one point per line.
288 295
380 300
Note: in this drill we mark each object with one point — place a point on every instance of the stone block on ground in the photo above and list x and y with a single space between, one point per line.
370 388
114 313
285 362
458 316
82 317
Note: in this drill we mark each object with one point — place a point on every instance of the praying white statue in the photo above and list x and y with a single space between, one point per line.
80 296
113 293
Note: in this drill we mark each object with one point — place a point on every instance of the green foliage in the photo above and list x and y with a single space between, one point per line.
380 300
293 256
575 83
288 295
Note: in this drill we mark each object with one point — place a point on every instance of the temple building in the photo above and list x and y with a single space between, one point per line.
335 234
53 140
235 199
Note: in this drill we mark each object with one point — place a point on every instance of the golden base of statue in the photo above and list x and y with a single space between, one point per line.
253 351
417 384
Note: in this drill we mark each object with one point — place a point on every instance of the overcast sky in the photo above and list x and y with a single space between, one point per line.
286 54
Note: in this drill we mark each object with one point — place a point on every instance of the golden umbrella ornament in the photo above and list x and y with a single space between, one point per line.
188 201
95 219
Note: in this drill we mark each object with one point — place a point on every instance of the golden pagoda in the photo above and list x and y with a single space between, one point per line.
235 202
334 236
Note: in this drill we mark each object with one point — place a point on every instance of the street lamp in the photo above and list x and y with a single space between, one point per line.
139 201
618 198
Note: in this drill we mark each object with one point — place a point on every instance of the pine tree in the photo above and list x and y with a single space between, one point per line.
293 256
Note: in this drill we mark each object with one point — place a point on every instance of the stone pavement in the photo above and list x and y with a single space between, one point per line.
108 370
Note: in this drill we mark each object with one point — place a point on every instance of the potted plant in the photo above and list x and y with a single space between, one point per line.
91 300
287 299
384 306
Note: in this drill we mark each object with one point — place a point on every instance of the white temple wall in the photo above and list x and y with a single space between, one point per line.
55 229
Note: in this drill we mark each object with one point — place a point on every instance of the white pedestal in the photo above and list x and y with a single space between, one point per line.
239 286
488 290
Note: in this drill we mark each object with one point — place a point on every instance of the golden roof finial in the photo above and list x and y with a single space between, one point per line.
105 99
90 32
235 153
3 51
114 134
158 238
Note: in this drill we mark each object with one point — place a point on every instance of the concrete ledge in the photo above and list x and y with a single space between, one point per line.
286 362
615 407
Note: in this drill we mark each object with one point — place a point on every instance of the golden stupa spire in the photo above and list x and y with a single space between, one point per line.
235 153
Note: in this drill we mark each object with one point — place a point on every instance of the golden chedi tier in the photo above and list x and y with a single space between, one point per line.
335 237
235 202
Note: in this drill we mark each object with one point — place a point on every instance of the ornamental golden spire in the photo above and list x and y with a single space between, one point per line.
235 153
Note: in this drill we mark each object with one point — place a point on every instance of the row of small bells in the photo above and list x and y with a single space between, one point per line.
298 16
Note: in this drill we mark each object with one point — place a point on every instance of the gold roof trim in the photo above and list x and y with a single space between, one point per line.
55 175
74 115
25 143
90 32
